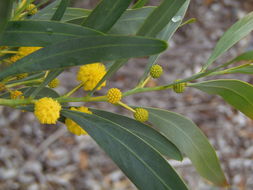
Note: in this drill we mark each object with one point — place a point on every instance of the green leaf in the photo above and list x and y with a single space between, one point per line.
144 166
84 51
75 15
42 33
140 4
145 132
234 34
131 21
247 56
166 35
5 13
235 92
60 10
246 69
46 10
190 141
106 14
160 17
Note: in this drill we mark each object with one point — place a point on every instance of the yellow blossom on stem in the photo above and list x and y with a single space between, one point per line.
90 75
141 114
54 83
47 110
32 9
180 87
72 126
16 94
114 95
156 71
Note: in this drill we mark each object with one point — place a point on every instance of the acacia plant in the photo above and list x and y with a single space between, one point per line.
38 44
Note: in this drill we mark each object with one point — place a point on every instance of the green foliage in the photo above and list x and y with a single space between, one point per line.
235 92
190 141
137 158
114 32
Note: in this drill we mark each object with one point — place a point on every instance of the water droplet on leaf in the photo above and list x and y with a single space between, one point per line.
176 18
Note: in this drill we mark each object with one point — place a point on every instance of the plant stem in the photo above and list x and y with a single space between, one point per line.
126 106
74 90
24 82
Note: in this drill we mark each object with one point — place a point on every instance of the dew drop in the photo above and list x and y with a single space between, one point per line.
176 18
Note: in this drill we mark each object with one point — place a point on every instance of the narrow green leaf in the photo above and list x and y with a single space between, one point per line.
160 17
235 92
60 10
190 141
106 14
136 158
166 35
247 56
84 51
131 21
5 13
42 33
71 15
246 69
46 10
140 4
234 34
145 132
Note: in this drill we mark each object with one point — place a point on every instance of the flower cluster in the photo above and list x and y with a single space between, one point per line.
90 75
47 110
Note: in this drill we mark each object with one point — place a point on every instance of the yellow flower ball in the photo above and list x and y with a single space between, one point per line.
156 71
32 9
74 127
114 95
141 114
90 75
16 94
180 87
47 110
54 83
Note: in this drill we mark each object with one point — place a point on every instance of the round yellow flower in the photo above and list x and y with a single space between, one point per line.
156 71
180 87
32 9
90 75
114 95
47 110
54 83
141 114
72 126
16 94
